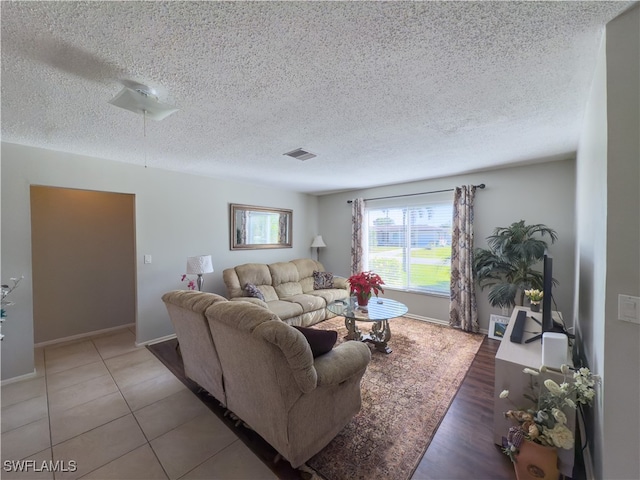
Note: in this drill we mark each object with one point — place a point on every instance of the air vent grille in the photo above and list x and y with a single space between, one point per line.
300 154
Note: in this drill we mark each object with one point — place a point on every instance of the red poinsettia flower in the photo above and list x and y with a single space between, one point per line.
366 283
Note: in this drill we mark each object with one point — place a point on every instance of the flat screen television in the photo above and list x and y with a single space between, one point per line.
547 286
548 324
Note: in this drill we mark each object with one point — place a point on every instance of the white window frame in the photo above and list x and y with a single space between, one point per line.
437 201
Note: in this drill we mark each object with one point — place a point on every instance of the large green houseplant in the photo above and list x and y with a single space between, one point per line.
507 265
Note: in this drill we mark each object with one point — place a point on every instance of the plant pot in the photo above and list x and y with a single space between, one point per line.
535 462
535 307
363 299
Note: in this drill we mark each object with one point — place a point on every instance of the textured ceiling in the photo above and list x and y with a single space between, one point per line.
381 92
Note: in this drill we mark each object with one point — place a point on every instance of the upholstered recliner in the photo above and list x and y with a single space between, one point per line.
201 363
296 403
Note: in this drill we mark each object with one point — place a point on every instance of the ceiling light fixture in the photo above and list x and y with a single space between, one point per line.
143 100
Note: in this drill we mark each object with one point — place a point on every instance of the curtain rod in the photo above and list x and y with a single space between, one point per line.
481 186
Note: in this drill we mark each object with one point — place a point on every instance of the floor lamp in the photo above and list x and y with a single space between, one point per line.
199 265
318 243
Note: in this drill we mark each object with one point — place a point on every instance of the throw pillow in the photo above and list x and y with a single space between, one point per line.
320 341
253 291
322 280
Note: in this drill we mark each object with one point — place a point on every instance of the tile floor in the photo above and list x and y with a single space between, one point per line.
116 412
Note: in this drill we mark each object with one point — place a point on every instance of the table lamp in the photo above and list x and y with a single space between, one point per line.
199 265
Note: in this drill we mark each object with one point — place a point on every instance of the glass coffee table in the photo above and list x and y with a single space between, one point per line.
379 311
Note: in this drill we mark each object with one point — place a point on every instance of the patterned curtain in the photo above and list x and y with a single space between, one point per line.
357 235
463 310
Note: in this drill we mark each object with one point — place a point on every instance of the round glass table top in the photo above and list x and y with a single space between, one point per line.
378 309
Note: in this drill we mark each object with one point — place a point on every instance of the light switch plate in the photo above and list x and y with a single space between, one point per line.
147 259
629 308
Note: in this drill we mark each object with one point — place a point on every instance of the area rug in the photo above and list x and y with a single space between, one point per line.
405 395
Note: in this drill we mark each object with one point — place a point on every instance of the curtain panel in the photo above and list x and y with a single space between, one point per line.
357 235
463 309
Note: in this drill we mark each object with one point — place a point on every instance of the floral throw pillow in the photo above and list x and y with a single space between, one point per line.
253 291
322 280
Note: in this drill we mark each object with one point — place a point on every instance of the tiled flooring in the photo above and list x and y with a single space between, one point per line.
115 412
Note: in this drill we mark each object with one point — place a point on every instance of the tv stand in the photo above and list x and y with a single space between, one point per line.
511 359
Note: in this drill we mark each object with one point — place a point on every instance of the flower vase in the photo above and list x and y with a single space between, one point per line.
363 299
535 307
535 462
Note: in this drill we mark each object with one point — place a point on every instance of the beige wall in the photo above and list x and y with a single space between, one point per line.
608 238
541 192
622 339
83 251
176 215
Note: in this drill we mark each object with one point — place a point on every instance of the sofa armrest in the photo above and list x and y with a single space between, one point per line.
340 282
341 363
255 301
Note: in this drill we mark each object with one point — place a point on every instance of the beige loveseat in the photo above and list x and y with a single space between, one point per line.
287 288
263 370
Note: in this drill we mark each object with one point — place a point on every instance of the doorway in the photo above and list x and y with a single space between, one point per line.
83 257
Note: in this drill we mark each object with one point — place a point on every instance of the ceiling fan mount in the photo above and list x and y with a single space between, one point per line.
142 99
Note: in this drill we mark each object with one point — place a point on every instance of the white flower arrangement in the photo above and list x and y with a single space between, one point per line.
4 303
534 295
546 422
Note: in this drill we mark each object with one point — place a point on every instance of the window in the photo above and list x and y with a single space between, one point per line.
409 245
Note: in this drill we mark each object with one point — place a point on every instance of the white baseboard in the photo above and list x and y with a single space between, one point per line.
19 378
156 340
436 321
426 319
82 335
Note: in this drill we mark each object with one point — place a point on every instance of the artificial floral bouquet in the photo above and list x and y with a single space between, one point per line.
546 422
191 284
534 295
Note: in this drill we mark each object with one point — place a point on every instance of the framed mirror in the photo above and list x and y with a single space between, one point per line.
260 227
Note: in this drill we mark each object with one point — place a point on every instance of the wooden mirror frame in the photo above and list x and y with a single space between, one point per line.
254 215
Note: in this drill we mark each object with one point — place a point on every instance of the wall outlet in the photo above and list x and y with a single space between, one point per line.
147 259
629 308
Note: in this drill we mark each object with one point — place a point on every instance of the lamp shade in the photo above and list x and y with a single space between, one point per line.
318 242
199 264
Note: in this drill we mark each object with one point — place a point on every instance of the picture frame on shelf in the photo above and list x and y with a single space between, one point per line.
497 326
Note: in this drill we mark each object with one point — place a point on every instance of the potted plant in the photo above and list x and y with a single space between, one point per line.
507 265
535 297
363 284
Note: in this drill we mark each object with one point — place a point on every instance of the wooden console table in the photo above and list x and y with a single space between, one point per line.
511 359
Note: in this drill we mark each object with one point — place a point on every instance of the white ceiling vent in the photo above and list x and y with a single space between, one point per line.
300 154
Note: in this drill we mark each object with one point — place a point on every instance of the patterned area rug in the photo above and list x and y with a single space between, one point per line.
405 395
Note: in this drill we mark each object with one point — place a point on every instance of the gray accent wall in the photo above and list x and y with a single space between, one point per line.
177 215
536 192
608 256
